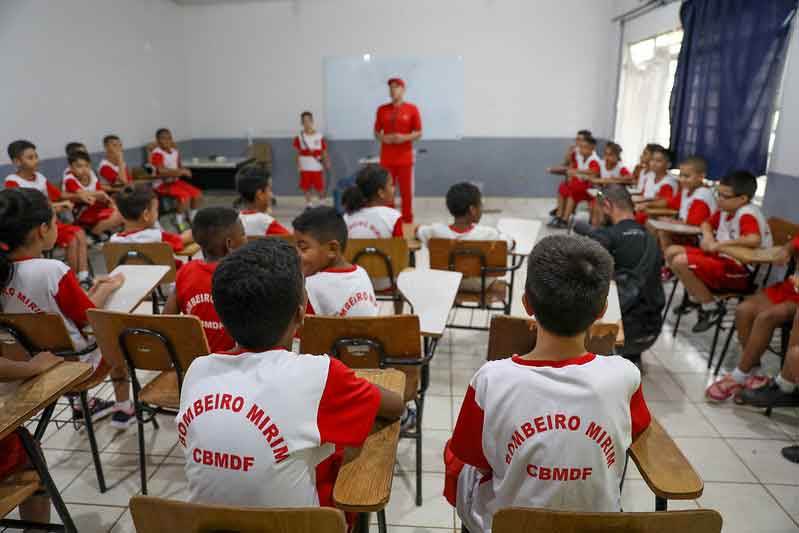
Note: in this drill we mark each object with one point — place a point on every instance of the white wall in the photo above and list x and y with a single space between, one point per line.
785 158
79 69
533 68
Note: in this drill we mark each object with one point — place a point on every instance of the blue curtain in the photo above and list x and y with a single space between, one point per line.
728 73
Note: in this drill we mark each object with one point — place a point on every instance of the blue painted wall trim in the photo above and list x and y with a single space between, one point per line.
782 196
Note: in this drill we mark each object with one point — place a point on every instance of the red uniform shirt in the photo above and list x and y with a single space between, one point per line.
193 293
404 119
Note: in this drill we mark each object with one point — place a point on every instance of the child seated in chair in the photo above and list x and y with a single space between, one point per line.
660 186
138 205
549 428
218 231
261 426
335 287
97 213
165 158
369 215
113 169
465 204
575 190
255 203
706 268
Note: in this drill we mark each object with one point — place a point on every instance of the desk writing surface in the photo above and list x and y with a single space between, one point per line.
140 280
364 481
752 256
523 231
204 162
675 227
431 293
19 403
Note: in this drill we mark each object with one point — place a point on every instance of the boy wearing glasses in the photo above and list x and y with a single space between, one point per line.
706 268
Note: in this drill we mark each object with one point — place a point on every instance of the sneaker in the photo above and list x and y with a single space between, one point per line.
755 382
408 420
707 319
791 453
552 213
686 307
98 408
122 419
561 224
86 283
552 222
723 389
770 395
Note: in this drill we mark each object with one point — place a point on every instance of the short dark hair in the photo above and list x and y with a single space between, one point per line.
462 196
614 147
108 138
698 163
306 114
21 210
742 183
584 133
212 225
568 278
17 148
651 146
324 224
79 156
658 149
619 197
250 181
590 140
161 131
134 199
257 290
73 147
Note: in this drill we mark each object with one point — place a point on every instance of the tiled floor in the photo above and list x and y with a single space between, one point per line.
735 449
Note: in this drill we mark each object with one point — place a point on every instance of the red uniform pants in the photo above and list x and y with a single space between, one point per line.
403 179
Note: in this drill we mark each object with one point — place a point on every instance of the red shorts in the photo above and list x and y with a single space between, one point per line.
312 180
66 234
12 455
95 214
782 292
179 189
576 189
641 217
718 272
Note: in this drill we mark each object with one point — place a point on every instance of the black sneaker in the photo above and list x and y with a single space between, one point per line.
408 419
686 307
707 319
86 283
552 213
552 222
98 408
769 396
561 224
122 419
791 453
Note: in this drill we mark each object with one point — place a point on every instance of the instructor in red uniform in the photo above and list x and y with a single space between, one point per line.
397 125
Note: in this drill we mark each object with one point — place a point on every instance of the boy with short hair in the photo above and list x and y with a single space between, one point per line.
550 428
138 205
575 190
113 168
70 237
312 159
695 202
260 425
98 213
218 231
255 202
335 287
701 269
165 158
660 186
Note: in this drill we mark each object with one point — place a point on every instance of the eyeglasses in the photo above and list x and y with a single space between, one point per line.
725 196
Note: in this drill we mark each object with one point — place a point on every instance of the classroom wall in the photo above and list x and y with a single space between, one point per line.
79 69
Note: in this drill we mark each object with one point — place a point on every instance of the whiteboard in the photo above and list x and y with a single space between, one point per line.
356 85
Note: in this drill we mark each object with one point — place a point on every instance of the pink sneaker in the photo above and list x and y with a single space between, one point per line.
723 389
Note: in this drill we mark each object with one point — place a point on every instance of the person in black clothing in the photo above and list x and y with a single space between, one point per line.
638 261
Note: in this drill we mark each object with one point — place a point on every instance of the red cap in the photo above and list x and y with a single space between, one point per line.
398 81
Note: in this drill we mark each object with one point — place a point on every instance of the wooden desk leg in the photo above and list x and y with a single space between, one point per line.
661 504
37 460
381 521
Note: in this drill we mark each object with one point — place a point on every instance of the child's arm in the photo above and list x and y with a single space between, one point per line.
83 197
64 205
171 306
708 237
752 240
104 287
15 370
391 404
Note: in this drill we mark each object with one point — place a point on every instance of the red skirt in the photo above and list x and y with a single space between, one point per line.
179 189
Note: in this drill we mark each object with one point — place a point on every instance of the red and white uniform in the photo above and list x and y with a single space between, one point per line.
619 171
257 224
378 222
549 434
577 187
88 215
110 173
785 291
144 236
310 147
665 188
66 232
398 159
193 294
341 292
174 187
721 272
261 429
695 207
643 178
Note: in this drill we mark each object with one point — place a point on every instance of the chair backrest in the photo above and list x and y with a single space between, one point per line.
381 258
392 337
157 515
34 332
468 257
152 342
261 152
150 253
782 231
510 335
519 520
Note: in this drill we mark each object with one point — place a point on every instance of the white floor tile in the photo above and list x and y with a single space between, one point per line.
156 441
91 518
169 481
121 477
124 524
434 511
693 385
734 421
660 386
682 419
763 457
714 460
746 508
636 497
788 497
437 413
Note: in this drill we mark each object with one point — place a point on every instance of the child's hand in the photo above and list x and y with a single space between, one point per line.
708 245
64 205
782 257
112 282
43 361
795 280
185 172
102 197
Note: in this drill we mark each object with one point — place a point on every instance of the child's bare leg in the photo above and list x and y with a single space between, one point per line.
761 332
182 205
119 377
569 210
665 239
35 509
672 252
596 215
561 206
71 255
790 369
698 291
745 315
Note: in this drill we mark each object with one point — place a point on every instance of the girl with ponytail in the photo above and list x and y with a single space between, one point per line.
367 203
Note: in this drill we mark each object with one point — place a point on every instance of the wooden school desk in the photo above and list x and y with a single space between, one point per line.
190 250
523 231
140 280
19 405
672 226
219 173
364 481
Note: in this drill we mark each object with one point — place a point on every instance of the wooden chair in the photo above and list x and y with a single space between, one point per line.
17 488
163 343
383 259
377 342
157 515
27 334
485 260
509 335
151 253
519 520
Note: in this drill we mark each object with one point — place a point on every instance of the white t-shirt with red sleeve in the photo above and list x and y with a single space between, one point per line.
619 171
665 188
696 206
378 222
110 173
747 220
476 232
548 434
258 224
40 183
144 236
72 184
592 162
261 429
310 147
341 292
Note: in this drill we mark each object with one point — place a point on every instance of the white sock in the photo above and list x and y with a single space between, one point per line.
83 275
127 405
710 306
739 376
785 386
180 218
192 212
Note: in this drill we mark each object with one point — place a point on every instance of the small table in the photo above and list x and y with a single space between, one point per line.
431 293
140 280
672 226
523 231
364 482
21 404
217 173
752 256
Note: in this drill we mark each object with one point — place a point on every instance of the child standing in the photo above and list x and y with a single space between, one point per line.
165 157
218 231
255 201
98 214
138 205
335 287
367 203
312 159
113 169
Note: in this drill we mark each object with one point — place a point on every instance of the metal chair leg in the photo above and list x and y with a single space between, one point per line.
142 458
679 316
723 353
716 336
381 521
671 298
89 424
